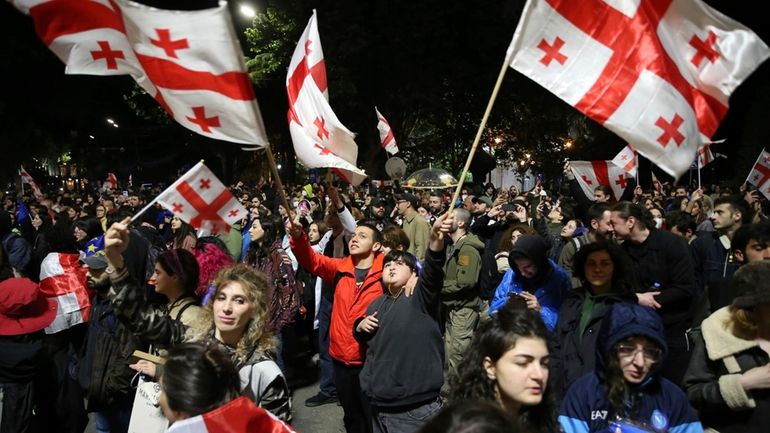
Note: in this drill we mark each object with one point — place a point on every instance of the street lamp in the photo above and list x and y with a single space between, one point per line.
247 11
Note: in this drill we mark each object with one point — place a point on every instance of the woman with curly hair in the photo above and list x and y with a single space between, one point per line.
507 363
237 322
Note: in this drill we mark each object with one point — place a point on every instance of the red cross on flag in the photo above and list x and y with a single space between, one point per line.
704 155
387 140
628 160
760 173
658 73
27 179
111 182
202 200
320 139
591 174
63 279
190 61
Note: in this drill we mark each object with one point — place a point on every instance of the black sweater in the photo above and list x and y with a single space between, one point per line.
405 355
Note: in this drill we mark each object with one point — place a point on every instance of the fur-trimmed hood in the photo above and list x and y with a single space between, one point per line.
719 338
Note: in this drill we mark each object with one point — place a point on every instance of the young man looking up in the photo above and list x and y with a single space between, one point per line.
356 282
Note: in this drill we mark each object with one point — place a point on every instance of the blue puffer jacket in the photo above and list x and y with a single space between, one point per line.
656 405
551 284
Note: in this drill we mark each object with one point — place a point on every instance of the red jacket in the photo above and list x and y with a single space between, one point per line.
349 302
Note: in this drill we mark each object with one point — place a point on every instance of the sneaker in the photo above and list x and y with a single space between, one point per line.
319 400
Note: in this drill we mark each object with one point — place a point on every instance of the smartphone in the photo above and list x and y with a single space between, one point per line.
125 193
304 206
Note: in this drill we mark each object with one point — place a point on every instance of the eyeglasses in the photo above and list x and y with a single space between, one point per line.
650 354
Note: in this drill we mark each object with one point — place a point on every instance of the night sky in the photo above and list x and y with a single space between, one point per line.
35 84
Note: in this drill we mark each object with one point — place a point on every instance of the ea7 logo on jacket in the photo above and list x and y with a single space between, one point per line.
598 414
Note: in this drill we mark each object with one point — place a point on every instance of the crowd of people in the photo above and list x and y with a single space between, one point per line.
537 311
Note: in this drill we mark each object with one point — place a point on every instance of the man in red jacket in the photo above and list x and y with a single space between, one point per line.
356 282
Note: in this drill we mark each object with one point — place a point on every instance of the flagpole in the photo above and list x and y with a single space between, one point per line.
481 130
699 174
278 184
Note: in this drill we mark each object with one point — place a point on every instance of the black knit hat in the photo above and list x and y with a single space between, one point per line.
751 284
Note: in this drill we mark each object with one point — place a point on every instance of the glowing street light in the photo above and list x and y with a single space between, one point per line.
247 11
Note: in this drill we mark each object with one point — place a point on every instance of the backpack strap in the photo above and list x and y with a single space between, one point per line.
181 310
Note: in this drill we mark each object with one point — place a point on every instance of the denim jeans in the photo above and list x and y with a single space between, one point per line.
387 420
325 361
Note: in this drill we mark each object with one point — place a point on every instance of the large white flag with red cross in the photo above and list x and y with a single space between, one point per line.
658 73
320 139
202 200
760 173
190 61
591 174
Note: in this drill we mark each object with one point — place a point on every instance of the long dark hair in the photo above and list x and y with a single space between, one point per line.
198 378
180 235
273 227
493 339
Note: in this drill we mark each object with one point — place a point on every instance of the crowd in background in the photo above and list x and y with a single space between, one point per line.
534 311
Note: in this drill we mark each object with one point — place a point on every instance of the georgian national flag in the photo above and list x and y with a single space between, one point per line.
189 61
658 73
628 160
63 279
320 139
760 174
111 182
239 415
591 174
27 179
387 140
200 199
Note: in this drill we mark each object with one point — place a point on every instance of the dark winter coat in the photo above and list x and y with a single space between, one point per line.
573 354
655 402
712 379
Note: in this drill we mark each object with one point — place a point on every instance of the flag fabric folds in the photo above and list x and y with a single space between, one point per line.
200 199
63 279
657 73
387 140
320 139
760 174
628 160
27 179
190 61
239 415
591 174
111 182
705 155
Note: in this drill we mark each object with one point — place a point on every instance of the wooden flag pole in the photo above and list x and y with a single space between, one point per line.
278 184
483 124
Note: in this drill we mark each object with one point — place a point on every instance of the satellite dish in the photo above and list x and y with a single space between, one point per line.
396 168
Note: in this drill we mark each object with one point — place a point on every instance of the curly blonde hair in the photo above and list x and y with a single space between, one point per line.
258 293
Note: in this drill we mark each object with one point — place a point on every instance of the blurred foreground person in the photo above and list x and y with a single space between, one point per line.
200 393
